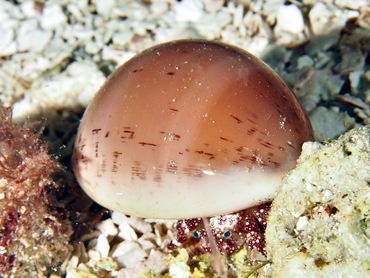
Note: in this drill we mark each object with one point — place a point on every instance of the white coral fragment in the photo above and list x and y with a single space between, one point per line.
72 89
52 17
107 228
189 10
290 19
102 246
290 26
128 254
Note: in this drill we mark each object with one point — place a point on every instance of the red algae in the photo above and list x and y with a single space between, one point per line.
34 236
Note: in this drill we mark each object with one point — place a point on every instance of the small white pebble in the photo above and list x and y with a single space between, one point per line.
304 61
290 19
302 223
212 6
126 232
328 195
118 217
28 9
158 7
7 44
147 245
107 228
128 254
105 7
52 17
189 10
179 270
102 246
352 4
139 224
122 38
72 264
115 55
238 15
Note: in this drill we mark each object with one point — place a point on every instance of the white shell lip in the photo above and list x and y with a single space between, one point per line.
197 198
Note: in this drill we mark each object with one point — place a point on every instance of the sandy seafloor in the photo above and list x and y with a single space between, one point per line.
54 55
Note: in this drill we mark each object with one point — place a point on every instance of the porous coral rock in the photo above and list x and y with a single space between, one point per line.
319 221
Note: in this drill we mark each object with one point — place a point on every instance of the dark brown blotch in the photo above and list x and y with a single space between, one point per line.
236 119
147 144
96 130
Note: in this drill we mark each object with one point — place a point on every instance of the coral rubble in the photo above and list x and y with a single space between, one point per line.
319 221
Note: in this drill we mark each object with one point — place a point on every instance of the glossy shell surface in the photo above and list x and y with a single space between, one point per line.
189 129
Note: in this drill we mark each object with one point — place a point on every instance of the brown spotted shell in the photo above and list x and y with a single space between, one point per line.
188 129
